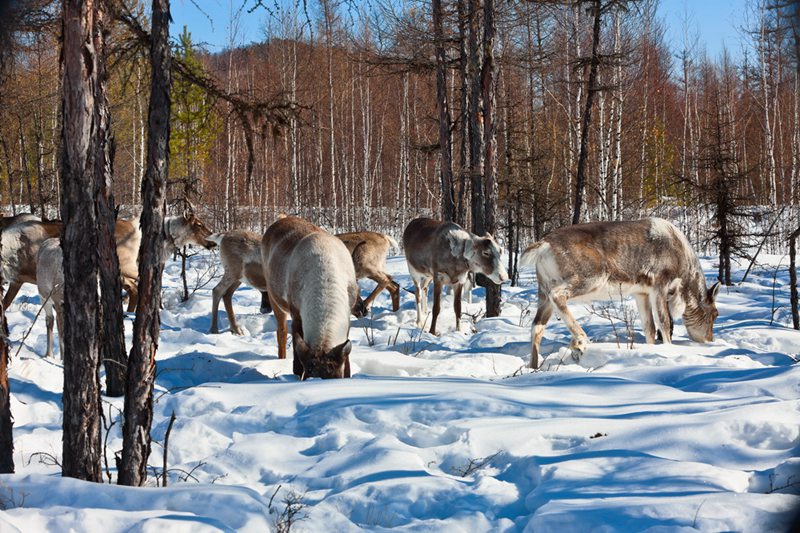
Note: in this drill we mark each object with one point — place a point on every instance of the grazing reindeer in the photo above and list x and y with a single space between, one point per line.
368 250
649 259
240 254
310 275
445 253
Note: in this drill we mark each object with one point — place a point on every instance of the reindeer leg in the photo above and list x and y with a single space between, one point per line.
297 366
543 313
227 299
418 296
425 284
394 291
13 289
646 316
133 297
266 307
217 293
49 320
457 304
437 302
662 318
383 282
579 338
280 316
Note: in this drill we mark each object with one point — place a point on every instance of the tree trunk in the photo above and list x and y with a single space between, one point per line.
580 177
84 149
6 420
793 278
475 128
489 85
112 329
445 139
142 362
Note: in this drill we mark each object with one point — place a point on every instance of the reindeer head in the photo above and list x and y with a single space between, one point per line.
482 253
318 364
359 308
189 229
699 318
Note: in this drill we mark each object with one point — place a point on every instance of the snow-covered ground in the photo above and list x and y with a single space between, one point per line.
448 433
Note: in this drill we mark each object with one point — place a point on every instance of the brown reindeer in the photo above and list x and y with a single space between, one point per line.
445 253
649 259
240 254
310 276
368 250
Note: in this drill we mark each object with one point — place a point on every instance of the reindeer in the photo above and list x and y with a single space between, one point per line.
445 253
20 248
240 254
180 230
650 259
49 263
310 276
9 220
368 250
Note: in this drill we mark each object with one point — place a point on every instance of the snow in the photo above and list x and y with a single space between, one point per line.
448 433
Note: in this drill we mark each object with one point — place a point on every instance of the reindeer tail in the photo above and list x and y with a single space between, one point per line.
531 253
392 243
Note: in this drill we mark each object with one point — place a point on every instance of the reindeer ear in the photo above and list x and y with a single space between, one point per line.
673 287
301 349
712 293
342 352
459 241
187 214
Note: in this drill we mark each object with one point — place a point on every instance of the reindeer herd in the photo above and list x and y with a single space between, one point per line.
308 274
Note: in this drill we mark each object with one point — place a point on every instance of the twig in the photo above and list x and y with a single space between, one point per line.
166 449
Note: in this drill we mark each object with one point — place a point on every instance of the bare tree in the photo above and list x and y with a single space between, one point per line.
85 150
142 361
445 138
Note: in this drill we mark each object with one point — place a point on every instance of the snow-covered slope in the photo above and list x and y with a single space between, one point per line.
448 433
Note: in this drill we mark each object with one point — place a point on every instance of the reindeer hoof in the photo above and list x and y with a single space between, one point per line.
265 310
576 354
237 331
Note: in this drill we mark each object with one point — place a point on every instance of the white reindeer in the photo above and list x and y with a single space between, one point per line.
649 259
310 276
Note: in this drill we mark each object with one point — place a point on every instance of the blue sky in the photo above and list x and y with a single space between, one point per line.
716 23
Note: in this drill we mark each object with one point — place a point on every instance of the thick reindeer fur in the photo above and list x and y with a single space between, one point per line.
368 250
310 276
9 220
240 255
443 252
650 259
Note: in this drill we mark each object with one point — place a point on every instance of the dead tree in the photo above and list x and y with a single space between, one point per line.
84 149
142 361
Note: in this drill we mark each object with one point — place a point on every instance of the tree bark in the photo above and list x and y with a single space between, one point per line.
445 139
112 328
580 175
84 145
142 362
6 420
793 278
489 85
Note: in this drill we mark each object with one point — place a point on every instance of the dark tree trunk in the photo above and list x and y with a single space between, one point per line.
489 84
594 62
463 152
6 420
793 278
84 146
445 138
475 128
142 362
112 345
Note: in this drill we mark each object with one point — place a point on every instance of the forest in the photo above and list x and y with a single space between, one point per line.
509 118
